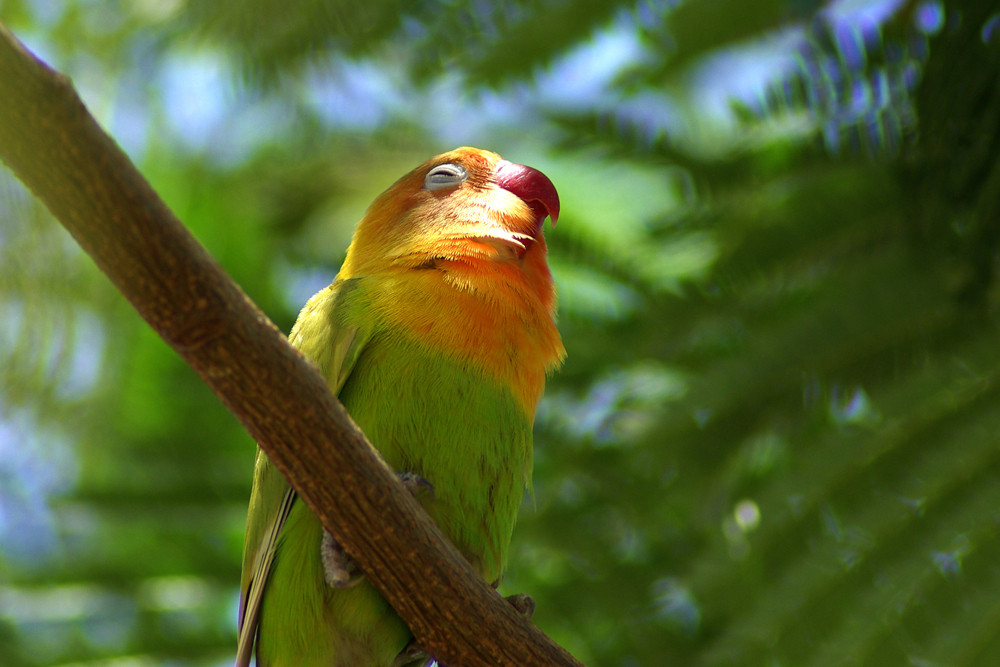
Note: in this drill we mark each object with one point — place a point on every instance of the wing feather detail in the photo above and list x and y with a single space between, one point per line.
250 604
327 335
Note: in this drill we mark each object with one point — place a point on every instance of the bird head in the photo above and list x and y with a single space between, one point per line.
464 207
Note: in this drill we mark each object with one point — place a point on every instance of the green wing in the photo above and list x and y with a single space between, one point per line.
328 334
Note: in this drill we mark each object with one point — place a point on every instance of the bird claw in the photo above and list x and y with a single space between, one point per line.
412 656
522 603
416 485
339 569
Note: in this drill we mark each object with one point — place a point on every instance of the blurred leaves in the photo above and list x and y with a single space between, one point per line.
775 437
267 38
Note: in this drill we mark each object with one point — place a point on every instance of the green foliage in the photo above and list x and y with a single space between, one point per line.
775 440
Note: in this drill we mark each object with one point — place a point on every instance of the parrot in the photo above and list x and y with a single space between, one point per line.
437 335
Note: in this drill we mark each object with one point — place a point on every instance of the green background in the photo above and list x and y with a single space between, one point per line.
776 438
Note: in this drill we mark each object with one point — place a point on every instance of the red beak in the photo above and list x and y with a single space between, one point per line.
532 186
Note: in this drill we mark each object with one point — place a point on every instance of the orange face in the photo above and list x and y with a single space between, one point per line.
466 204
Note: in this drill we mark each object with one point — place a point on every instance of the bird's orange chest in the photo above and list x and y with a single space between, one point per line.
491 326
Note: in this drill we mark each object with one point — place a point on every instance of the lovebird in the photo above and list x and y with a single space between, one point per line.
437 335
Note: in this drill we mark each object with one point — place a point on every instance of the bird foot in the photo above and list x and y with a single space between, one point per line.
412 656
522 603
339 569
416 485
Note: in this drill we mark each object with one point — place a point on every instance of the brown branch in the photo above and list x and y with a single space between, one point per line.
50 141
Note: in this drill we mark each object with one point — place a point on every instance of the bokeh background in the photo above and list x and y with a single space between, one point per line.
776 438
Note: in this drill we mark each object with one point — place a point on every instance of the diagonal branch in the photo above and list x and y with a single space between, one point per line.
50 141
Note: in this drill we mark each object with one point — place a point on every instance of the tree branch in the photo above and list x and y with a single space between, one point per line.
50 141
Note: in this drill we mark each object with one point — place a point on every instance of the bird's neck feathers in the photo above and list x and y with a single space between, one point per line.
482 305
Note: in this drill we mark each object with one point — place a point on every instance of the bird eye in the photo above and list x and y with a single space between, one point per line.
445 176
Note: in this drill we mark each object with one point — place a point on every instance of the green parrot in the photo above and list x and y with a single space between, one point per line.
437 335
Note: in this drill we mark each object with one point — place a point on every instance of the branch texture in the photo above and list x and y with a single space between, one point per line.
52 144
